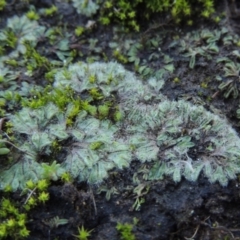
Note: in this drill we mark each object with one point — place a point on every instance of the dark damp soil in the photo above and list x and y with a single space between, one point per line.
185 210
161 209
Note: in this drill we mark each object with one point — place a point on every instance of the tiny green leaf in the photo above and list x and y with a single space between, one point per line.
4 151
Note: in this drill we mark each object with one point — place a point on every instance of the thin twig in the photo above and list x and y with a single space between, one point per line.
30 194
193 236
1 122
218 228
154 27
93 199
5 141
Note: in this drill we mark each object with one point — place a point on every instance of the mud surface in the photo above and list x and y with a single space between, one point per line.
171 211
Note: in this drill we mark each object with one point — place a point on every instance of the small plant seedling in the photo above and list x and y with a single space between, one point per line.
66 177
83 234
56 221
79 31
125 230
32 15
43 197
50 11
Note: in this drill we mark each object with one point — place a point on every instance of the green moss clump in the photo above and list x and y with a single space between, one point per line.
13 222
60 97
2 4
126 13
50 11
126 231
